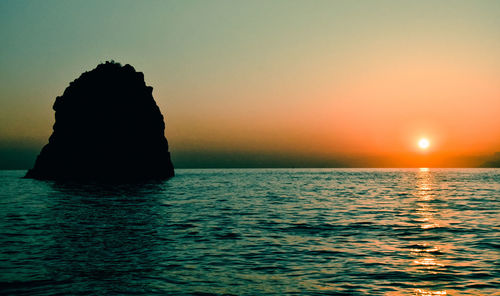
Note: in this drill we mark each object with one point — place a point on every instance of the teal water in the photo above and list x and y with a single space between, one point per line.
255 232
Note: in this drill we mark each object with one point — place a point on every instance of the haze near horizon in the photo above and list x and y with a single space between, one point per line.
270 84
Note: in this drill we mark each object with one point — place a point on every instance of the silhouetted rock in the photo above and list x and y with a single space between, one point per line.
108 128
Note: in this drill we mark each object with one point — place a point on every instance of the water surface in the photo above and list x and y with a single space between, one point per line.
255 232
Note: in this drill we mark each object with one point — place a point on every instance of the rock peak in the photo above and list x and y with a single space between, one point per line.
108 128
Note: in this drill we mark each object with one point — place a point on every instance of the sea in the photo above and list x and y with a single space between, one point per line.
255 232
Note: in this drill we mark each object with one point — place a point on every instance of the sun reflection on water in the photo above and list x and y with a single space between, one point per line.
422 292
428 262
427 218
424 250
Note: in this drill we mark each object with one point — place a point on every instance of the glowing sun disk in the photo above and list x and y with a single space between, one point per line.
424 143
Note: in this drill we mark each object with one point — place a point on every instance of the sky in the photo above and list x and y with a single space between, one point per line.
270 83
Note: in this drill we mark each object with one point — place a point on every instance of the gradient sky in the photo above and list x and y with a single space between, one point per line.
270 83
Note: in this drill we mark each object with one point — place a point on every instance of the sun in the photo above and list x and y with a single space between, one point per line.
424 143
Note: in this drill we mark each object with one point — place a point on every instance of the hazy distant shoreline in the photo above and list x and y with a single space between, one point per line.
12 157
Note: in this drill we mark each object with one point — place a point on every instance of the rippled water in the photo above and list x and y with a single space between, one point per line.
255 232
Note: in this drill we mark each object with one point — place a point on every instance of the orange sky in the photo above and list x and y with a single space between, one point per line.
381 108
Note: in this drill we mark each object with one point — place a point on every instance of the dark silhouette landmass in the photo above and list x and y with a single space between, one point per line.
108 128
493 162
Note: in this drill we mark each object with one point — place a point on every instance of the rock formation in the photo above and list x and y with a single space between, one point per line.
108 128
492 162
